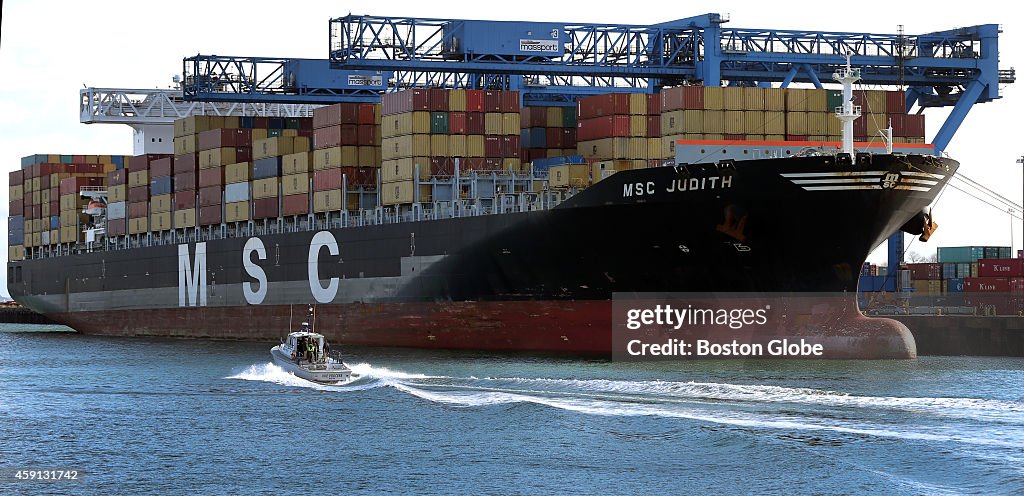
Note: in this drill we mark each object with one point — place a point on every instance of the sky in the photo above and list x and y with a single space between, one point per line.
51 50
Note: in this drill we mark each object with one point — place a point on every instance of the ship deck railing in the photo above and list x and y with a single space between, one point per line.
501 203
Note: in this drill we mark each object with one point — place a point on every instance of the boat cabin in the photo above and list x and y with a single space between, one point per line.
304 345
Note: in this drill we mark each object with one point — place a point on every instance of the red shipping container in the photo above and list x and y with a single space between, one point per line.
437 99
295 204
456 123
138 210
186 163
409 100
603 127
914 125
896 102
533 117
349 134
161 167
366 114
327 137
305 124
213 176
492 101
184 200
185 181
654 104
359 176
569 137
117 177
925 271
553 137
986 285
509 101
790 137
85 168
491 165
209 215
860 128
654 126
509 146
366 135
470 164
44 181
327 179
243 154
71 185
493 146
141 162
987 267
1017 285
325 116
17 207
117 227
78 159
349 113
224 138
602 105
15 178
54 206
442 167
735 137
474 101
262 122
138 194
265 208
211 195
475 123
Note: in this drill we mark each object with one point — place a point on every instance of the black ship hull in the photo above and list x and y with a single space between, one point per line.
528 281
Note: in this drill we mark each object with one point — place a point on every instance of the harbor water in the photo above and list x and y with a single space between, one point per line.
165 416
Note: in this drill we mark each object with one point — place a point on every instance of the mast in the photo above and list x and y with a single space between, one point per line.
848 112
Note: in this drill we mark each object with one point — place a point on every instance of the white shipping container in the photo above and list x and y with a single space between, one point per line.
116 210
236 192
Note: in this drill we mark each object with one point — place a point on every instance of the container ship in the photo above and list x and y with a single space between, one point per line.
456 219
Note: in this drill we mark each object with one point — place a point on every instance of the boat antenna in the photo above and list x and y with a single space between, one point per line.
290 328
312 313
848 112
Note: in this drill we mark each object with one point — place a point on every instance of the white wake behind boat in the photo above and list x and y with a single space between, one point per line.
307 355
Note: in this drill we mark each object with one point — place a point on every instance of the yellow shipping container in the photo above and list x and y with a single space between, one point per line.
796 123
754 98
294 163
510 123
15 253
68 202
714 98
574 175
732 98
265 188
775 123
754 137
874 102
711 137
37 197
474 145
775 137
135 226
236 211
714 121
668 146
775 99
138 178
604 148
439 145
817 137
875 124
350 156
511 164
161 222
637 104
184 145
295 184
654 148
46 209
117 193
493 123
44 196
160 204
833 126
456 145
638 126
682 121
734 122
796 100
258 134
36 181
817 100
637 149
753 121
16 192
603 169
399 192
196 124
817 123
327 158
555 152
457 100
69 218
554 116
237 173
232 122
404 169
67 235
218 157
367 156
185 218
412 145
278 146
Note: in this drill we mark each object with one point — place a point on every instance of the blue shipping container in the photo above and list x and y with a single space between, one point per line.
865 270
955 285
54 222
961 254
65 159
163 185
17 238
118 161
33 159
16 222
276 123
246 122
266 167
535 137
116 210
236 192
543 164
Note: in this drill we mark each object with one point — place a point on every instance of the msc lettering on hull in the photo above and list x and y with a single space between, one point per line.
192 272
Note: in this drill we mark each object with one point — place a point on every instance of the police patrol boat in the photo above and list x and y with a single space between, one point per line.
306 354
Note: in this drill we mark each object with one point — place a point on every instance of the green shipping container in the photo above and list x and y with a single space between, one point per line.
292 123
961 254
273 133
65 159
834 99
439 122
569 117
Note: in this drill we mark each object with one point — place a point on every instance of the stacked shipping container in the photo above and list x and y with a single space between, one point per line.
547 132
620 126
346 142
